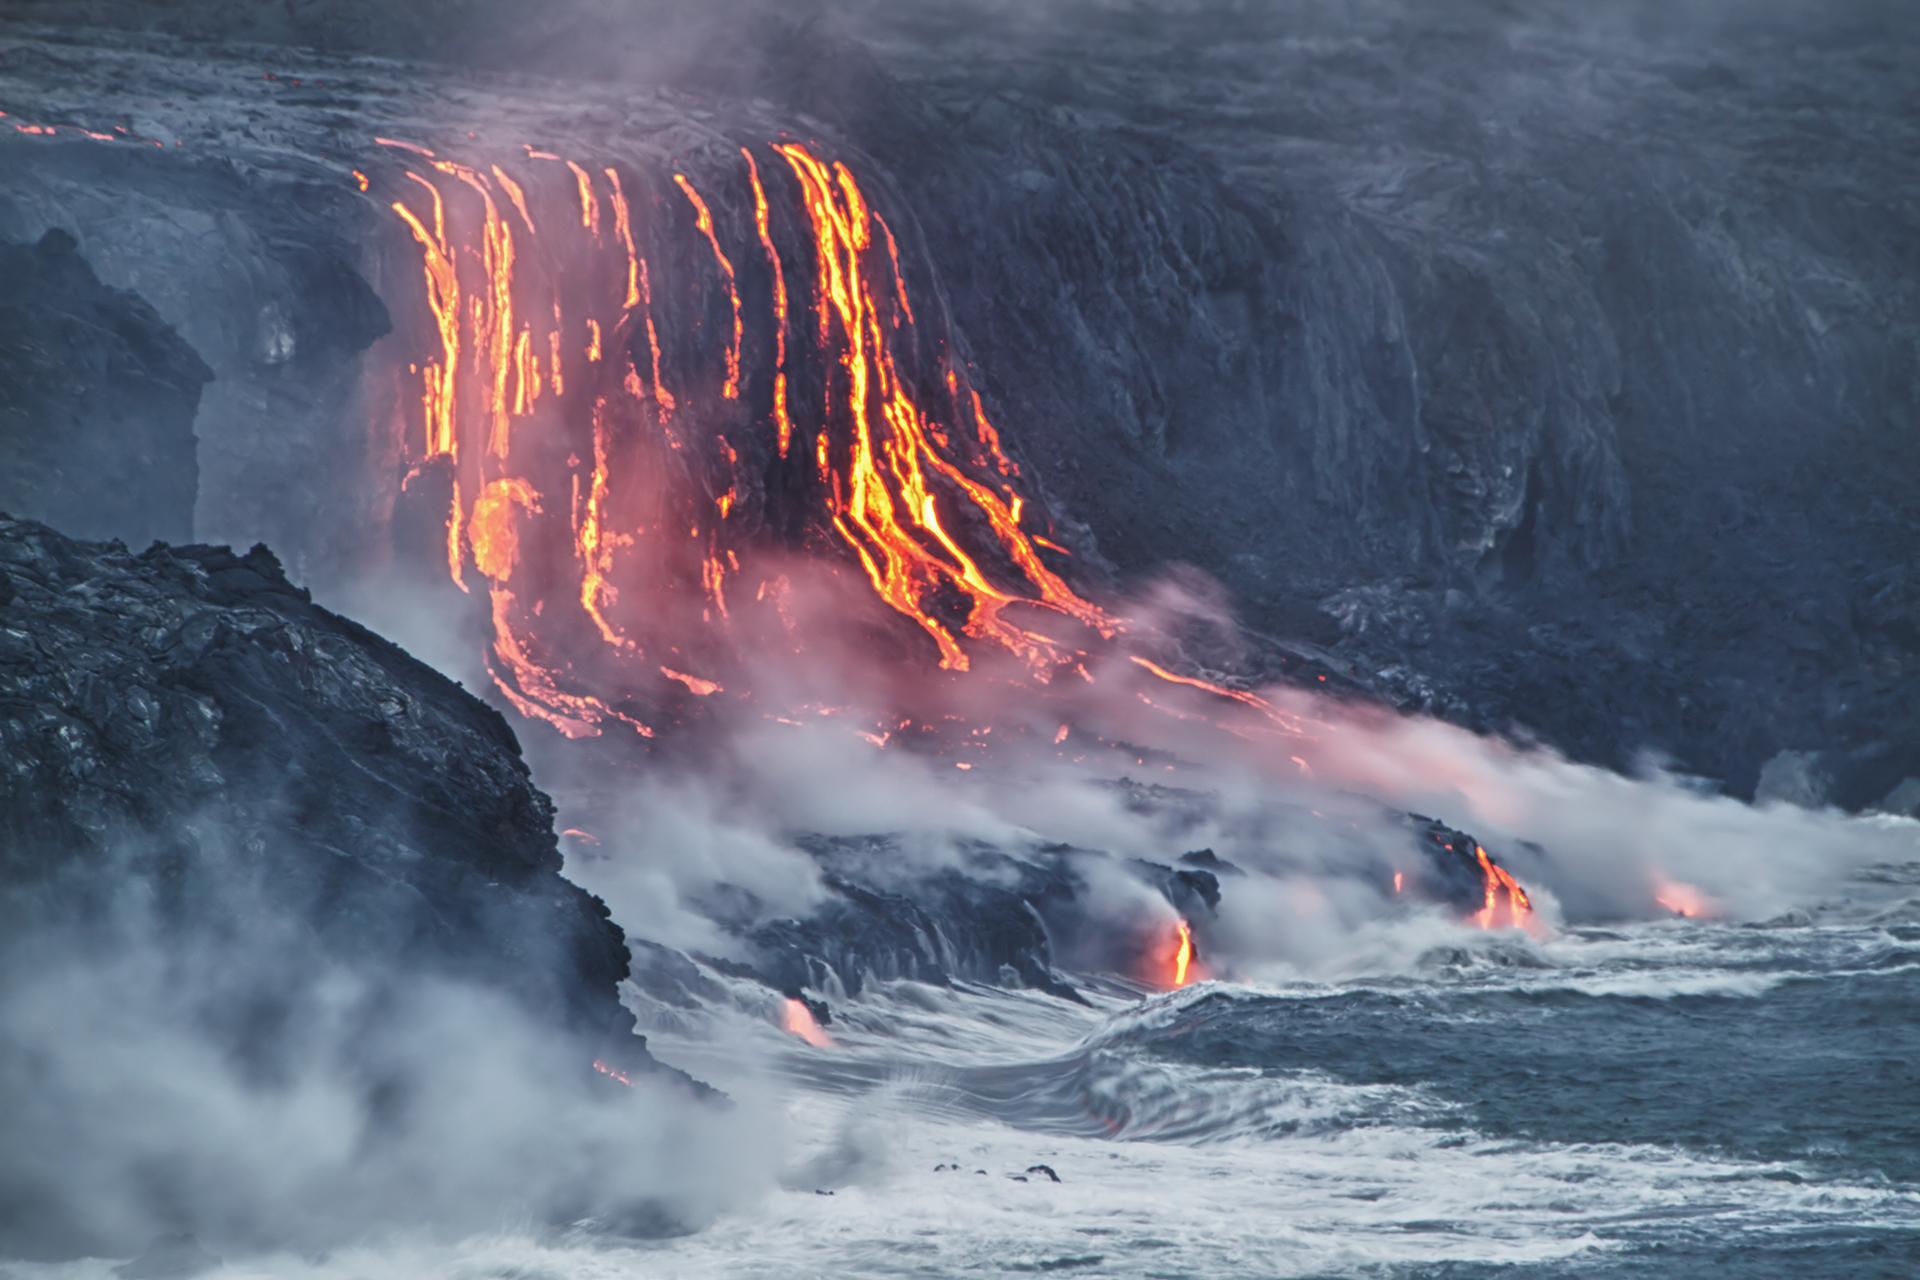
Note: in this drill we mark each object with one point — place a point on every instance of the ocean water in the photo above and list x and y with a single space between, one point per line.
1666 1100
1661 1100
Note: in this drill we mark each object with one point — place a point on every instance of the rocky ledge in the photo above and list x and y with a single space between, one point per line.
187 721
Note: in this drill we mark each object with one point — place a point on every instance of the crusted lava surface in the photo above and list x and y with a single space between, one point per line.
187 721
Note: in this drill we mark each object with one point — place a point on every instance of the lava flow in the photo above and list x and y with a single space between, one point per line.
655 417
620 422
1516 911
1175 962
797 1020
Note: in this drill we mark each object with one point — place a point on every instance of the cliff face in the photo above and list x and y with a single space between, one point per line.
186 715
1555 370
96 423
251 264
1549 371
280 910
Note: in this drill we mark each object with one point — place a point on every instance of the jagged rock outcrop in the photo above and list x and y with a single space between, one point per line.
1027 918
260 870
97 399
188 719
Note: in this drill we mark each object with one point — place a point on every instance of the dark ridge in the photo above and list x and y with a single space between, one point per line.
993 917
197 760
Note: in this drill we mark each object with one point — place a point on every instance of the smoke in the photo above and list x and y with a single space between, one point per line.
223 1075
1304 793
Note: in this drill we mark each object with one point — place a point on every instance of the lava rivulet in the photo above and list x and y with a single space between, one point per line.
1518 908
630 406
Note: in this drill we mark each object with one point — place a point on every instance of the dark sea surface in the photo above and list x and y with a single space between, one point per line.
1805 1064
1669 1100
1675 1100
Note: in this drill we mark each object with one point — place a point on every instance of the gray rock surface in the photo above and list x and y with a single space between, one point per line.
255 858
97 400
187 715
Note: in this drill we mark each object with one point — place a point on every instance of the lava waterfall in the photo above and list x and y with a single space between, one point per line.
637 391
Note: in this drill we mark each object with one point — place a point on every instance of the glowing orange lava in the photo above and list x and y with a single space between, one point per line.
1518 909
1173 960
1183 958
915 486
704 220
797 1020
882 499
918 491
783 422
493 531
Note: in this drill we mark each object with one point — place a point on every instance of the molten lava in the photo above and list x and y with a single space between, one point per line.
797 1020
639 401
1174 962
903 473
1507 905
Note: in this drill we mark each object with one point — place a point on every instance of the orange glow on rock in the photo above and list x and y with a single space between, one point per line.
595 543
623 222
783 423
797 1020
911 481
705 688
704 219
443 297
589 206
515 194
1173 961
885 505
492 531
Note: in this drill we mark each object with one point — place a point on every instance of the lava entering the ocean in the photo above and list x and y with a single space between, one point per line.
681 428
797 1020
1507 904
1173 961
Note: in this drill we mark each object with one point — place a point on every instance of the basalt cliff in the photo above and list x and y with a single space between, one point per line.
1548 372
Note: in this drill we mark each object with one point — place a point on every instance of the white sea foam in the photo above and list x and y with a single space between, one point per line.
1244 1173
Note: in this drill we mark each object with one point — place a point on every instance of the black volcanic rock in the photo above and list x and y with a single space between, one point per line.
97 400
998 918
260 868
985 923
186 719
